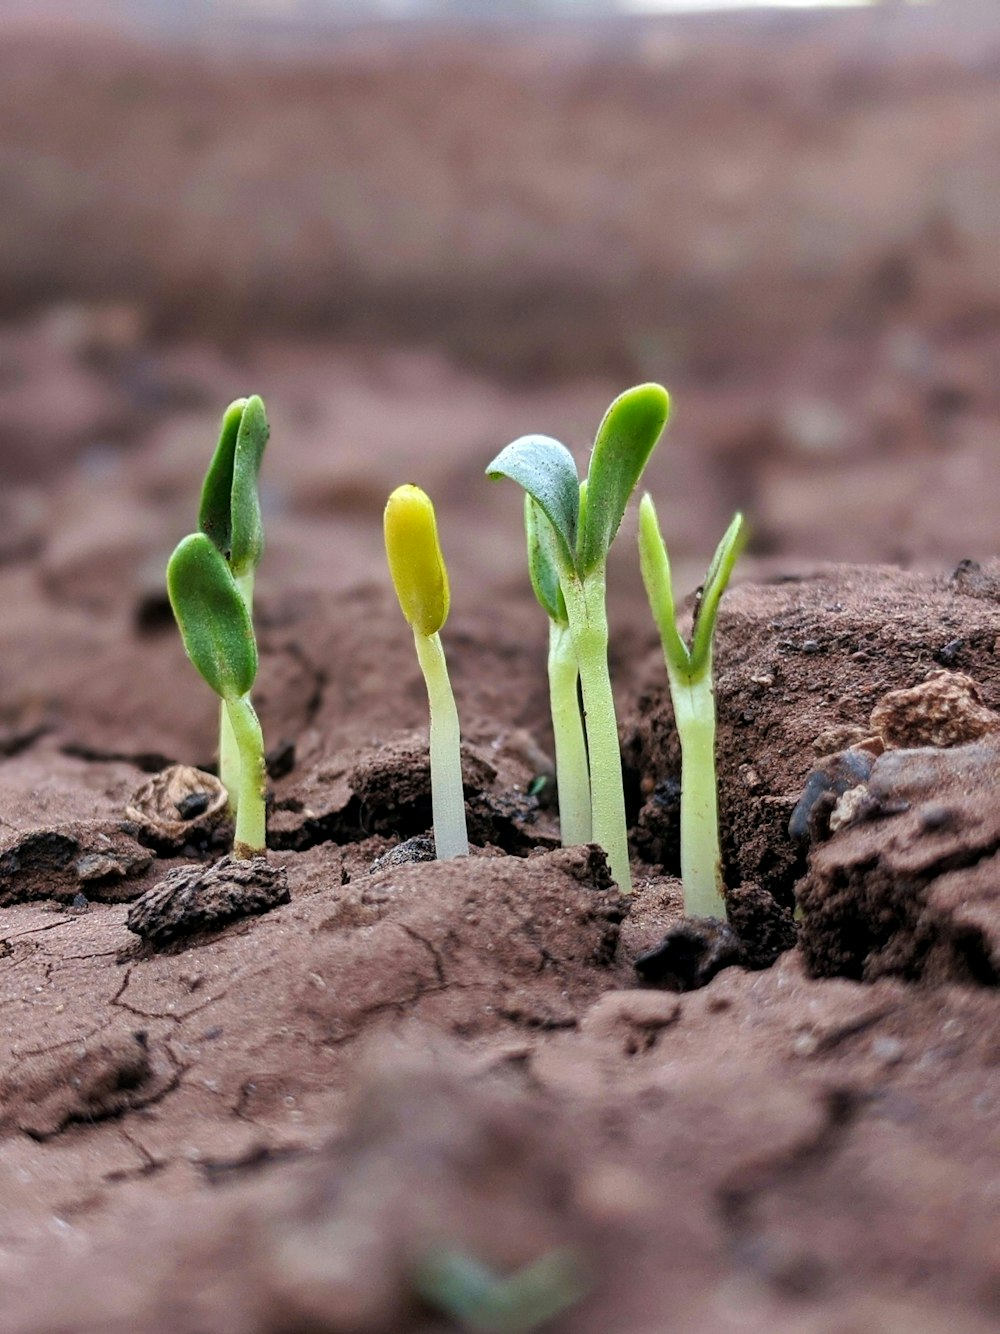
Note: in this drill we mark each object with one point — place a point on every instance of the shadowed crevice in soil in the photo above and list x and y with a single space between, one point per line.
103 1079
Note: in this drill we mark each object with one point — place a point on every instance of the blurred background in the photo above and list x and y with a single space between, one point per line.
422 227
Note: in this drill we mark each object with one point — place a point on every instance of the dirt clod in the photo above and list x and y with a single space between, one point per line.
690 954
911 884
945 710
192 899
54 863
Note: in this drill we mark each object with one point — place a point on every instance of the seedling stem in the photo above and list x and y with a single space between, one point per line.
250 835
588 625
447 794
229 752
572 778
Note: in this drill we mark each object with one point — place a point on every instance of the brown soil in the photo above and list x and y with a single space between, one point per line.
369 1093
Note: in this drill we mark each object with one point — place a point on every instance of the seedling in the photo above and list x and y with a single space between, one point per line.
689 672
462 1287
218 636
421 582
230 516
584 518
572 776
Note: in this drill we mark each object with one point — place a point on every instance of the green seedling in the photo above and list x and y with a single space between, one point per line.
218 636
421 582
480 1300
572 776
583 518
689 672
230 516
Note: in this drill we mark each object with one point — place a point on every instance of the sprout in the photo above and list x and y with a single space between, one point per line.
477 1298
689 671
230 516
584 518
572 778
421 582
218 636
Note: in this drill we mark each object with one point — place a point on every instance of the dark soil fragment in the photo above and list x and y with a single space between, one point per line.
690 954
419 849
764 927
59 863
193 899
45 1093
909 884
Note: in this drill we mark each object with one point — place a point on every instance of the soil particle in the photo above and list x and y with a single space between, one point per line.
911 884
54 863
86 1082
690 954
194 899
945 710
419 849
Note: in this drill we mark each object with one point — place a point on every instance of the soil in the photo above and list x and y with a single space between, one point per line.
358 1091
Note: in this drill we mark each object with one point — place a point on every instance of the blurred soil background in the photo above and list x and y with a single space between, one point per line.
419 237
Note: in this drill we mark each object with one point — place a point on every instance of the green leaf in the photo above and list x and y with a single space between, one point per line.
626 438
230 509
215 514
543 562
727 553
655 566
212 616
546 470
247 528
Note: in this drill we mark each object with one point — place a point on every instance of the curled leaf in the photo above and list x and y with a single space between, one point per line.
212 616
546 471
415 560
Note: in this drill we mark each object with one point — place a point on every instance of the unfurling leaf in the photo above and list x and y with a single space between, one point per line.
230 506
627 436
546 471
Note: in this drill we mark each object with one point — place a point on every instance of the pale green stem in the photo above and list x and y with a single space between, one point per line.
229 755
572 778
585 605
251 831
701 862
447 793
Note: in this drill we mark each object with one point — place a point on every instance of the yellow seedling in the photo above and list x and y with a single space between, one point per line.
421 582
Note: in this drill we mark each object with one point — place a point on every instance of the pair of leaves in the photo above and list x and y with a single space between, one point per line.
214 620
690 662
571 525
230 506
